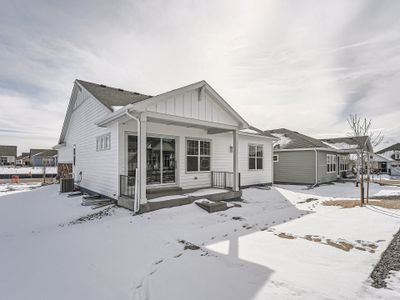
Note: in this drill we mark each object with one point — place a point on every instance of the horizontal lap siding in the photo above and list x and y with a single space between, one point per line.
295 167
323 175
221 157
99 168
251 177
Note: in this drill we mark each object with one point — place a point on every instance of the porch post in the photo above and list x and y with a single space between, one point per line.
142 157
235 161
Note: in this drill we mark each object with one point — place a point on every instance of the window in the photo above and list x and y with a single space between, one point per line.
275 158
331 163
198 155
343 163
256 155
397 155
103 142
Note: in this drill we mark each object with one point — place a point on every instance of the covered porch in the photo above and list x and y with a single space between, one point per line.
167 161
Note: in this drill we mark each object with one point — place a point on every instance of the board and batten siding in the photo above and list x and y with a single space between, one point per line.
99 168
191 105
296 167
221 157
323 175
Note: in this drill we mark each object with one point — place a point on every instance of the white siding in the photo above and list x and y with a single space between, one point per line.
191 105
99 168
221 157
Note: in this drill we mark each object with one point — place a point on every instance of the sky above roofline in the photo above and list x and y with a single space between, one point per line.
302 65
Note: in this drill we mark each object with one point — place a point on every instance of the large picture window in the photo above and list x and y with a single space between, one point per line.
331 163
198 155
256 155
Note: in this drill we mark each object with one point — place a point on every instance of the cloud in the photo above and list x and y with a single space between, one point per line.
303 65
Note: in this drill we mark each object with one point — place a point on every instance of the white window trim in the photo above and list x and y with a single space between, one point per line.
101 142
198 140
256 157
277 158
329 159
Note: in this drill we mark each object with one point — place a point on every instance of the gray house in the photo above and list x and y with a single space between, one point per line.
301 159
392 154
43 157
8 155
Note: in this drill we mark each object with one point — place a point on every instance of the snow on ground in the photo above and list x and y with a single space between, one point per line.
26 170
142 257
11 188
342 190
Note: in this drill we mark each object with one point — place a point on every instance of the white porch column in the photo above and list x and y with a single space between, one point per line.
235 161
142 158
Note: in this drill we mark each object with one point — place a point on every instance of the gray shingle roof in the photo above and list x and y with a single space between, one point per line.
351 141
289 139
42 152
390 148
8 150
111 96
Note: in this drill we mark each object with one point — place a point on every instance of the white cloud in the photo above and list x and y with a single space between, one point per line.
304 65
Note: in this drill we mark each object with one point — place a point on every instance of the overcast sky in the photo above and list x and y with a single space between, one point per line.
303 65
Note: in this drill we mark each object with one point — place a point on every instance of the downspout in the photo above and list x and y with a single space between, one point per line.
136 204
316 168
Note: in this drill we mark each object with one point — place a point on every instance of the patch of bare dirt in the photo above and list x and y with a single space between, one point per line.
390 204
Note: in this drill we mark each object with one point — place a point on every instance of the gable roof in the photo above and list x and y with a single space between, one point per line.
42 152
143 105
394 147
8 150
348 143
389 152
288 139
111 96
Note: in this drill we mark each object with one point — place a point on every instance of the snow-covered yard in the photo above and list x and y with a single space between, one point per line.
257 251
26 170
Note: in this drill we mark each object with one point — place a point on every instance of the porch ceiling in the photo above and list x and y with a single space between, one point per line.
211 127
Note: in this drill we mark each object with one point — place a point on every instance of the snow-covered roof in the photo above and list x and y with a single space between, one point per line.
340 146
288 139
348 143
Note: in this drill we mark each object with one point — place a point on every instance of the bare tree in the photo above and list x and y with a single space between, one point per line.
365 139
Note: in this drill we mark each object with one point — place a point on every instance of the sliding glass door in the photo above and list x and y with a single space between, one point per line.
160 159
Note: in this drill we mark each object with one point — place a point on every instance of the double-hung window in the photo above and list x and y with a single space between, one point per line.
256 155
198 155
330 163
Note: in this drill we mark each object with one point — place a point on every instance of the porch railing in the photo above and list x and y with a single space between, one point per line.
222 179
127 186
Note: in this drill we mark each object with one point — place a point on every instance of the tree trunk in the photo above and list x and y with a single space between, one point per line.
368 176
361 181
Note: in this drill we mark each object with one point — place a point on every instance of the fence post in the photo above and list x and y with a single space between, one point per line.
212 178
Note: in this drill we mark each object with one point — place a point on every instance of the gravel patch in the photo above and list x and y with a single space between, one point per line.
390 261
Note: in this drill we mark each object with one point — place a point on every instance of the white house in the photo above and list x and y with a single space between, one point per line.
187 138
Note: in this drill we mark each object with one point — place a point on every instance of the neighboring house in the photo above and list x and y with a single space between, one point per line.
190 138
301 159
23 159
379 163
392 154
8 155
43 157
